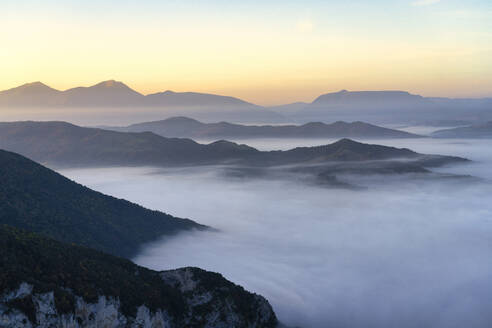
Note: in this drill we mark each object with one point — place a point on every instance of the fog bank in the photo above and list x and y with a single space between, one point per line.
403 253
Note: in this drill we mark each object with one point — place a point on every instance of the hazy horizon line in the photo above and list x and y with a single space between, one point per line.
218 93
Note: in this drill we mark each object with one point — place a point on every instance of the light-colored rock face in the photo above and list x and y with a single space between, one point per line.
103 314
207 306
222 310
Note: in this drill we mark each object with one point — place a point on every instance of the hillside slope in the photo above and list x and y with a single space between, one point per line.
45 283
38 199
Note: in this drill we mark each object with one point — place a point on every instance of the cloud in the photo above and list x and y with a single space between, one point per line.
425 2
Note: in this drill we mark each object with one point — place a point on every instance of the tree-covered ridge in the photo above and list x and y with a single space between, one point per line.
37 199
49 265
70 270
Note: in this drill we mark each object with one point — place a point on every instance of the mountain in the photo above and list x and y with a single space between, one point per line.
367 98
37 199
366 105
184 127
111 98
110 95
388 107
64 144
191 99
30 95
342 164
46 283
105 94
475 131
113 94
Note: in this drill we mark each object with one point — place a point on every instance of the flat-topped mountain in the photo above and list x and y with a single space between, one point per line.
387 107
184 127
64 144
474 131
367 98
45 283
38 199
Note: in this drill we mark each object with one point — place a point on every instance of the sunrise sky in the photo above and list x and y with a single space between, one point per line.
267 52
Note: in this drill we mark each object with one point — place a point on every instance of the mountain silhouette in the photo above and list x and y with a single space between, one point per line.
38 199
184 127
65 144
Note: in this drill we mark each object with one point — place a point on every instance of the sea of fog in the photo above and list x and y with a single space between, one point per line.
402 253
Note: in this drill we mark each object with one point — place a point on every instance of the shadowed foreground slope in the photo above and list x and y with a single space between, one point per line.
45 283
38 199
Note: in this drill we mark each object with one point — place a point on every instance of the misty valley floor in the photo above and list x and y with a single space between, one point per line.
403 253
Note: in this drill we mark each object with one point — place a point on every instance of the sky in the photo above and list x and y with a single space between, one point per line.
266 52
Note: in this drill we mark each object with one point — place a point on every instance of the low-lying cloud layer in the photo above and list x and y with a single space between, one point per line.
403 253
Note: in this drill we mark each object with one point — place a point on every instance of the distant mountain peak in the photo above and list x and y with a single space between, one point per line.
111 84
347 142
34 86
28 92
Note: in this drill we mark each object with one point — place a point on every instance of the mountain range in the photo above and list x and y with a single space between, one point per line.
112 94
184 127
108 93
64 144
389 107
368 106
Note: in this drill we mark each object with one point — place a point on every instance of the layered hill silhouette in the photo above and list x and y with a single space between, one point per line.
114 94
37 199
46 283
475 131
369 106
64 144
184 127
108 93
